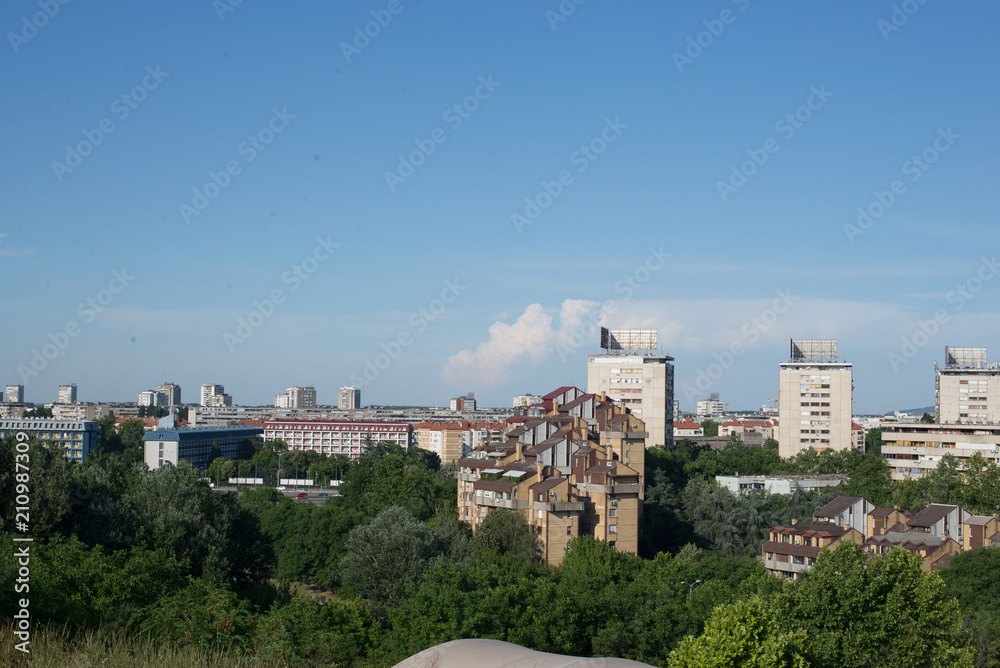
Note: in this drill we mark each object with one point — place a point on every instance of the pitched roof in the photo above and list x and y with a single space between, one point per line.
837 506
931 515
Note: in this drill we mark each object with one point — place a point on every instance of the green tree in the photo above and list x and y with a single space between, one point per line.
506 532
877 612
386 559
873 441
927 418
746 634
710 427
973 579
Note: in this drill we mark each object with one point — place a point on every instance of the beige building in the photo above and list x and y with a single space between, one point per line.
578 470
814 398
913 450
642 383
967 389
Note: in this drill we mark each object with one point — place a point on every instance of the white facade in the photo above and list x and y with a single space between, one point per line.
152 398
67 394
210 390
14 394
522 400
349 398
642 383
76 437
172 392
709 407
336 437
282 400
779 484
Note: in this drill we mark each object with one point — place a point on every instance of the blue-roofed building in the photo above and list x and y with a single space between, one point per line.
169 445
76 437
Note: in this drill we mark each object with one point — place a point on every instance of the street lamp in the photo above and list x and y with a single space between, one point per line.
690 586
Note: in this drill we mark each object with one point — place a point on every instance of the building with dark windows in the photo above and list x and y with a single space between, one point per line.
170 445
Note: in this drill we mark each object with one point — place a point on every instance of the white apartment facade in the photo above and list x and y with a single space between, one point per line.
349 398
337 437
14 394
67 394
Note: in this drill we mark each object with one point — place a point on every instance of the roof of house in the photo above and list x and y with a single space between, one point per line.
979 520
789 548
557 392
837 506
548 484
931 515
881 512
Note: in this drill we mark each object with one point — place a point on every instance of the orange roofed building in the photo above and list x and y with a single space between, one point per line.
576 470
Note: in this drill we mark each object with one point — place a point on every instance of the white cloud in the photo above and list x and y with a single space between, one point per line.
530 338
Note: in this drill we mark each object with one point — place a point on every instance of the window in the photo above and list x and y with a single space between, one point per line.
612 529
613 512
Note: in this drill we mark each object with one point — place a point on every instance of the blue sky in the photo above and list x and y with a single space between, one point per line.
501 299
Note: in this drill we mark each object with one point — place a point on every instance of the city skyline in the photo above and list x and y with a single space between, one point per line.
281 199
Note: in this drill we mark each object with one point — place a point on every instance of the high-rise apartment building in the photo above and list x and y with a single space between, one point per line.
967 388
814 395
710 406
466 403
172 392
348 398
966 422
67 394
152 398
296 397
302 397
637 379
14 394
213 394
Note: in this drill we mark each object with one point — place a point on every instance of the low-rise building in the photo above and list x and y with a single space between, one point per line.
75 437
914 449
171 445
791 550
684 428
337 437
779 484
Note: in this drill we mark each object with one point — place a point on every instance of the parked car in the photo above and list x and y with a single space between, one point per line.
322 494
302 495
282 488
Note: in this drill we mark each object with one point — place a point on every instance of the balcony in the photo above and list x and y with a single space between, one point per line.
614 488
565 506
513 504
631 435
